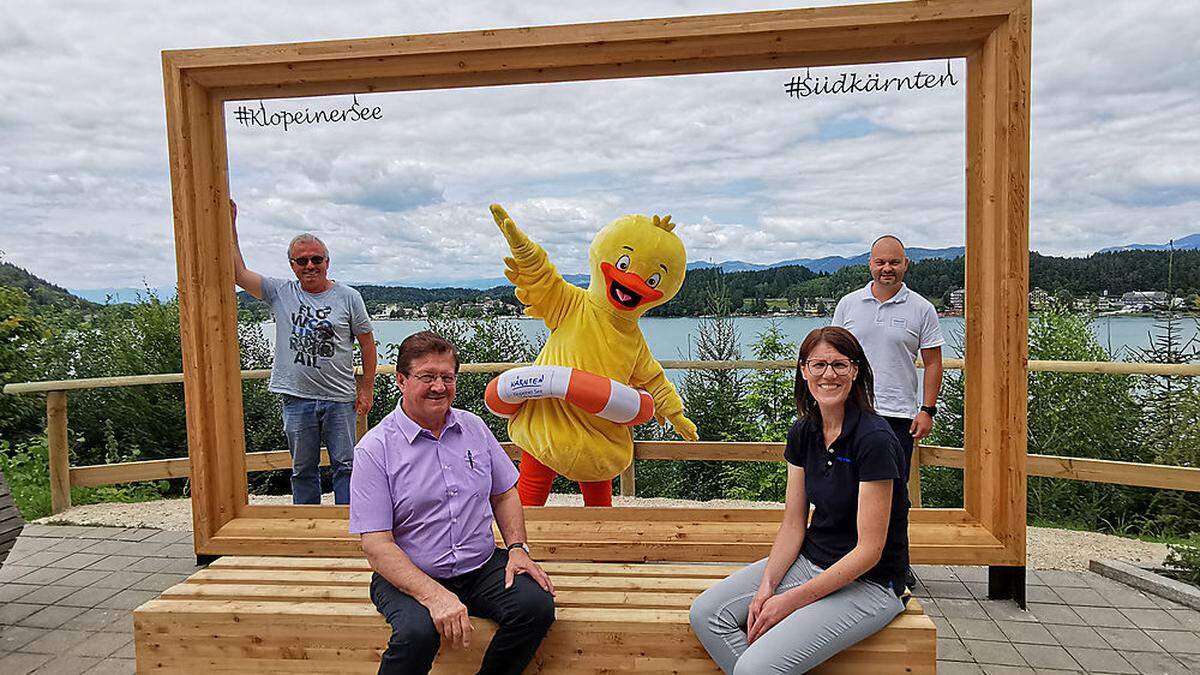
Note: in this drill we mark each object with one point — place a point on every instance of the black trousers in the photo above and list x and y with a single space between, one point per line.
900 427
524 613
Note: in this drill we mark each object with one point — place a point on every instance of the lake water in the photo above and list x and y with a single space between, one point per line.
670 338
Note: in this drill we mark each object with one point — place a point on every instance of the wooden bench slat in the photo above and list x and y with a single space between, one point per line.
555 567
567 597
289 577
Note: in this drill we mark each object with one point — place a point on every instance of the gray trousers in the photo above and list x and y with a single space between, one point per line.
800 642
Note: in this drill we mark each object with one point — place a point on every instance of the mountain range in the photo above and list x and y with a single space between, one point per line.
831 263
826 264
1192 241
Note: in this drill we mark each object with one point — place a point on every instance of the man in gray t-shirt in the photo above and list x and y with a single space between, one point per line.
317 321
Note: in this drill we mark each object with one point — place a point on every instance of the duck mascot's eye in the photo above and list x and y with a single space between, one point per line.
623 263
654 280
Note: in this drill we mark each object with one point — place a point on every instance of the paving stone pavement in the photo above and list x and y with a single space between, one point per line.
67 595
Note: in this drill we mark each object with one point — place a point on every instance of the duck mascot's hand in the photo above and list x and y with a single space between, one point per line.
517 240
684 427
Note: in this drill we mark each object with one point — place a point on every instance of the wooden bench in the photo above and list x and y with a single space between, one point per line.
11 522
313 615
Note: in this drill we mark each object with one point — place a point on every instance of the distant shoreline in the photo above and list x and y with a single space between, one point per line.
799 315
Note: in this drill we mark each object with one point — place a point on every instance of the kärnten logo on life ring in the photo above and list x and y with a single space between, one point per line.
601 396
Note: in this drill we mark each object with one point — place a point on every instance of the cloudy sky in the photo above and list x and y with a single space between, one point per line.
749 173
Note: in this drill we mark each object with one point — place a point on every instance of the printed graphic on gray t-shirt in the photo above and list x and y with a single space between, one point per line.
314 339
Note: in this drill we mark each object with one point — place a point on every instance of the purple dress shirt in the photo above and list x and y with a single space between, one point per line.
431 493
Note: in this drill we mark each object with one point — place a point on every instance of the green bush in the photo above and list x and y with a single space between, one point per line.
110 424
1080 415
942 487
1136 419
25 467
715 400
1184 557
771 410
20 332
1113 417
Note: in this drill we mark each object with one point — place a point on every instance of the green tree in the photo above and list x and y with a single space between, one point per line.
771 410
1070 414
1169 432
109 424
1079 415
713 399
942 487
20 333
262 410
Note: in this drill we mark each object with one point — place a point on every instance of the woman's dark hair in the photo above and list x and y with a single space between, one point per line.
861 390
423 344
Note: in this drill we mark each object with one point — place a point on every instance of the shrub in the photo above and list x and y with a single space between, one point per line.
771 410
20 331
715 401
25 468
1184 557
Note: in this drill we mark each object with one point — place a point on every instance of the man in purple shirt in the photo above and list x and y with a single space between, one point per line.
426 483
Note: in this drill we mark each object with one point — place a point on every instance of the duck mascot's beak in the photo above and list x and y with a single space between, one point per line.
627 290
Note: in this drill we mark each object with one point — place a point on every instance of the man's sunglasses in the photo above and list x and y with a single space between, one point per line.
303 262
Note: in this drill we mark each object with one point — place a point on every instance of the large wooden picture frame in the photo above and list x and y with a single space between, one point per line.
993 36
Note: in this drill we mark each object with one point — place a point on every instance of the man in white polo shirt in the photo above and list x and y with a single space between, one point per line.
893 323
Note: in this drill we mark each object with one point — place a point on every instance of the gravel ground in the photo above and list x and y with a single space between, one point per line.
1048 548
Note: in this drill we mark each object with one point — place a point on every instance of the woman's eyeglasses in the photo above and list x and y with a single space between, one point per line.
303 262
819 367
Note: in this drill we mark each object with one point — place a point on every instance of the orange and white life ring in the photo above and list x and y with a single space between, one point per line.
601 396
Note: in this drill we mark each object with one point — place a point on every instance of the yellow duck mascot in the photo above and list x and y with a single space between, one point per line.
572 412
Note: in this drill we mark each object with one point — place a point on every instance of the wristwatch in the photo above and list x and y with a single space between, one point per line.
931 409
521 545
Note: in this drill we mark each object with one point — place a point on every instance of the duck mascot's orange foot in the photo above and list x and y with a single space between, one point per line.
573 411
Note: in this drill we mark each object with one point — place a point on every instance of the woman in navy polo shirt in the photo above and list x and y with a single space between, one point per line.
836 581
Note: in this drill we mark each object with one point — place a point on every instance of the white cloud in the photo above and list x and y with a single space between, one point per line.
747 172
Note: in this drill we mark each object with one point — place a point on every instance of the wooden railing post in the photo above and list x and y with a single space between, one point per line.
360 427
60 457
627 485
914 477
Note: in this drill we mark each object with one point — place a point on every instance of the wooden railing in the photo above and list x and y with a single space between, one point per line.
63 476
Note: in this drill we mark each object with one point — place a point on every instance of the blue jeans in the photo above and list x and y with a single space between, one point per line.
308 423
